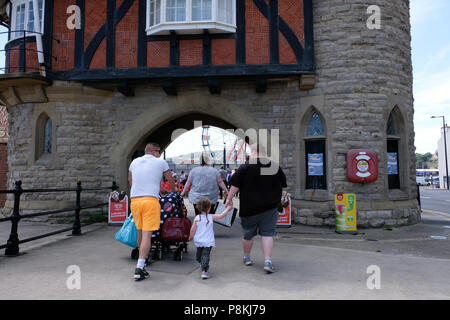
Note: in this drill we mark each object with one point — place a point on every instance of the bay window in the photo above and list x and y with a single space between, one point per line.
23 17
190 16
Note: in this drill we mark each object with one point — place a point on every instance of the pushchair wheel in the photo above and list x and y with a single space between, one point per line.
135 253
178 256
157 254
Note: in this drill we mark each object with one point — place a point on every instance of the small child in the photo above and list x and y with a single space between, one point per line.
202 232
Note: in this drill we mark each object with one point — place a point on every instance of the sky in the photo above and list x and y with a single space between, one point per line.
430 30
430 24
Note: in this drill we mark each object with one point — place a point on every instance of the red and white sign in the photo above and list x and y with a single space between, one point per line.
284 218
117 209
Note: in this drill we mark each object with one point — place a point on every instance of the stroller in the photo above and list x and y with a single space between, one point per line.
172 204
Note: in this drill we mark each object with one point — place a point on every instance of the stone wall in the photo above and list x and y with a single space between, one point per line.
361 76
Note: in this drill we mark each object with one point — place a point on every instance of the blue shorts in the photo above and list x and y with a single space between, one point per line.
264 224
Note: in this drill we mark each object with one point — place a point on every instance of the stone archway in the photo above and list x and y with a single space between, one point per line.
160 118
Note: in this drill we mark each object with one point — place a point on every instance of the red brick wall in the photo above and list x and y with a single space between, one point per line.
126 38
291 11
3 171
31 63
223 51
191 52
158 53
257 35
94 19
64 50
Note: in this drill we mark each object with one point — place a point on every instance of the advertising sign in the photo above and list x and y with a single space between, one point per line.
392 163
117 208
345 207
284 218
315 164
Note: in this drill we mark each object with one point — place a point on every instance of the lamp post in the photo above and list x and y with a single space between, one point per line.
445 148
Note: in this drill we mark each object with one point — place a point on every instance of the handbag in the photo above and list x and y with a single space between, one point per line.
127 234
228 220
176 229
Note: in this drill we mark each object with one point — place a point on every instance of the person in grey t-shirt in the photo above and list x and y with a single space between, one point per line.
205 181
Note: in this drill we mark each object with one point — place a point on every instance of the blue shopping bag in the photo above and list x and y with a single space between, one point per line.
128 233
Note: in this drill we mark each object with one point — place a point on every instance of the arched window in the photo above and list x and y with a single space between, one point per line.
315 155
44 136
393 140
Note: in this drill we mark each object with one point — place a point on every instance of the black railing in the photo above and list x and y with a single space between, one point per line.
12 246
23 49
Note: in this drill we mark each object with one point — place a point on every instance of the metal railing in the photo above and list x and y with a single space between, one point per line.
12 246
22 41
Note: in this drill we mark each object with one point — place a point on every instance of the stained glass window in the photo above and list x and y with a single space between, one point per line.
315 127
48 136
390 126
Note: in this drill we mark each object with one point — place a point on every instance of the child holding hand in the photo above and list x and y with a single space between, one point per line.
202 232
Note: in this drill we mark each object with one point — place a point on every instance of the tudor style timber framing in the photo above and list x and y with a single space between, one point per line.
83 53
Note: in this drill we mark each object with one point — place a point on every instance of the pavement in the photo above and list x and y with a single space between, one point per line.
403 263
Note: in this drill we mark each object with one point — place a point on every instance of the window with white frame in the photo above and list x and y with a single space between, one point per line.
23 17
190 16
201 10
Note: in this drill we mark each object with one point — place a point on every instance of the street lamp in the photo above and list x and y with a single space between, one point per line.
445 148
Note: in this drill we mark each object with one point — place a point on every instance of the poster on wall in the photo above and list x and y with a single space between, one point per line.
315 164
392 163
284 212
117 208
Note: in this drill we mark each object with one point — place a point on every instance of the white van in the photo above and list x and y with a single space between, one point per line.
423 181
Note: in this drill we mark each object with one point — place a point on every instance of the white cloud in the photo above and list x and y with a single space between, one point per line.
421 10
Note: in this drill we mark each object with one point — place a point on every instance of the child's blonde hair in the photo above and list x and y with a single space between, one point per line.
204 205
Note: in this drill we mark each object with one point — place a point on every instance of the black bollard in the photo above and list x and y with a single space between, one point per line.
418 197
76 231
12 246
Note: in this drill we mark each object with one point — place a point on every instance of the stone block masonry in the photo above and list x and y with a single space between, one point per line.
362 76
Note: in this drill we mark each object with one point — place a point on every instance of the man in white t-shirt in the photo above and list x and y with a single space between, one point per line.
145 175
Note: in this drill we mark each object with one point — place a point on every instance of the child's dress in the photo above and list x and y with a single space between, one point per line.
204 239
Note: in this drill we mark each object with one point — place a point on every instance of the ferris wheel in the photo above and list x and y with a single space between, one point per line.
206 141
216 140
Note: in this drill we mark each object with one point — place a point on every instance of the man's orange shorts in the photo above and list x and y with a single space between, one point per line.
146 213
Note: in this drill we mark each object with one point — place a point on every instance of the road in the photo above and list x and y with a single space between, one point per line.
435 200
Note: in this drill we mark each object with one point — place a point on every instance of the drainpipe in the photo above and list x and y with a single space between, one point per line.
39 46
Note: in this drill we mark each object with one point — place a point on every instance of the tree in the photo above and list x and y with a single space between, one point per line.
425 161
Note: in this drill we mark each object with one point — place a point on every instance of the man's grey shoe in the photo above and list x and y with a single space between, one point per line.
247 261
140 274
268 267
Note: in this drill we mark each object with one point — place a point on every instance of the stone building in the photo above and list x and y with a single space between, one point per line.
114 74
